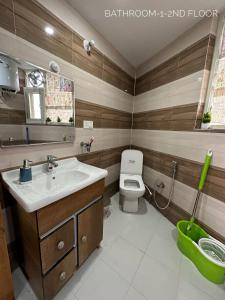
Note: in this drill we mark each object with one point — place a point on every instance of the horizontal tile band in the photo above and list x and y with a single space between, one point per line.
12 116
102 159
194 58
102 116
176 118
27 19
174 213
188 171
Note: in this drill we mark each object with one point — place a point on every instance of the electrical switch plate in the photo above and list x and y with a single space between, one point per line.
87 124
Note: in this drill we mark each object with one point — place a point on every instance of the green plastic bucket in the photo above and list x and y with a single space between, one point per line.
188 245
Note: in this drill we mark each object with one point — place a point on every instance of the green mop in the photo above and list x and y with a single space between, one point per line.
195 243
201 184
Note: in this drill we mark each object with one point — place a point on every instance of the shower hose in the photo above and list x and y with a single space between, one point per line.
159 188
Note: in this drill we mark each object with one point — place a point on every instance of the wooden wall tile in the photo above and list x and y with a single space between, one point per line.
103 158
12 116
116 76
6 15
176 118
30 23
192 59
102 117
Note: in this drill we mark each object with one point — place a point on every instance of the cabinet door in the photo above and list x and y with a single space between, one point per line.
90 230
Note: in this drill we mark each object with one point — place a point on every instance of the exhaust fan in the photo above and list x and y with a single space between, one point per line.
36 78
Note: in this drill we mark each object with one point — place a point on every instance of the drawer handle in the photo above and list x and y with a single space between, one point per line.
62 276
84 239
60 245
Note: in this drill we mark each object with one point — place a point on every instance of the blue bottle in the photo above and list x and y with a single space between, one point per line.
25 171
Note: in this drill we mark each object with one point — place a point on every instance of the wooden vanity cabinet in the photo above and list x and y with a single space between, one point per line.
58 238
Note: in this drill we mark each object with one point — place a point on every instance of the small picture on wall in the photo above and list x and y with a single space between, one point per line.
66 85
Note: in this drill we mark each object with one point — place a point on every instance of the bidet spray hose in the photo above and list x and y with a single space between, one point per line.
170 193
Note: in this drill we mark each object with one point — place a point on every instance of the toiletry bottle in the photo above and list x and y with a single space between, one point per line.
25 171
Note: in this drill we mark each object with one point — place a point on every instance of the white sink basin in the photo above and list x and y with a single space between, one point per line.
45 188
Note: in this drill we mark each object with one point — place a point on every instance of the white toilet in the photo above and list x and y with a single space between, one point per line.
131 183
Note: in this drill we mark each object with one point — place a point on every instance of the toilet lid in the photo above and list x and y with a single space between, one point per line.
131 162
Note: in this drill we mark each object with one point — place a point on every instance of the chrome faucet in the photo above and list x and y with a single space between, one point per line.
51 163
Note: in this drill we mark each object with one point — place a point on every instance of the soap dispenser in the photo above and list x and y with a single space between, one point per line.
25 171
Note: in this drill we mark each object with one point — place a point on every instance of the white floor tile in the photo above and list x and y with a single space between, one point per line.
65 295
138 236
155 281
25 294
186 291
109 235
118 220
103 283
140 229
190 273
165 251
134 295
83 272
22 289
138 260
166 230
123 258
137 228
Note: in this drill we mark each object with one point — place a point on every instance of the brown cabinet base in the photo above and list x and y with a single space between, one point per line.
47 238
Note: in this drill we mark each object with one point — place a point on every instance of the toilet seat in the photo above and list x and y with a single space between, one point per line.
131 190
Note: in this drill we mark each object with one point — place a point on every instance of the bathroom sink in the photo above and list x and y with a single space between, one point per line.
45 188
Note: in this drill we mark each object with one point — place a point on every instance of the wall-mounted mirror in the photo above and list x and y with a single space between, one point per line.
36 105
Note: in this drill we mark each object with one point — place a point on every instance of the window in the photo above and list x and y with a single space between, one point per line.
216 93
34 105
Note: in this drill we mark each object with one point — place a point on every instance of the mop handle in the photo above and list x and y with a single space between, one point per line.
202 180
205 169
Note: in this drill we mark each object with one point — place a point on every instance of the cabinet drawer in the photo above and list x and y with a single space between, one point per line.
59 275
56 245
